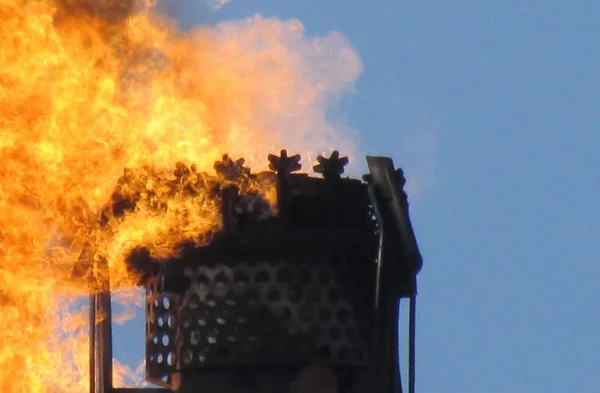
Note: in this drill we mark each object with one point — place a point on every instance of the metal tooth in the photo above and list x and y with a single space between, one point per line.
283 164
332 167
399 176
230 169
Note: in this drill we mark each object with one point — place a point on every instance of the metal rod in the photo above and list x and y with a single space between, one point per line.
92 339
101 333
393 361
411 343
386 362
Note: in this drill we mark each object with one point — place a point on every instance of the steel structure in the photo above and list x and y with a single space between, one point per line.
316 286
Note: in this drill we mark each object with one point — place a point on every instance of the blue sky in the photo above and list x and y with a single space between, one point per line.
493 110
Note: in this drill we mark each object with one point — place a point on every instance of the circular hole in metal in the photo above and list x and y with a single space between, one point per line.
166 303
156 303
194 337
241 278
211 300
324 314
165 340
325 352
262 276
221 278
284 275
230 298
155 339
170 321
286 314
170 358
161 321
160 358
202 279
193 302
313 295
211 338
230 338
274 295
343 315
152 358
202 355
220 289
202 320
335 333
304 313
221 321
187 357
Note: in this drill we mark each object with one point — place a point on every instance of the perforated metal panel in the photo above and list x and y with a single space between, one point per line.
162 346
297 288
292 310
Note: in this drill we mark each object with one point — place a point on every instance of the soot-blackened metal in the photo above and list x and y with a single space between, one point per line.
295 289
288 307
276 311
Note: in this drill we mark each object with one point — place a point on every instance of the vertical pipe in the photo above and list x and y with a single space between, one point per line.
411 343
92 333
101 333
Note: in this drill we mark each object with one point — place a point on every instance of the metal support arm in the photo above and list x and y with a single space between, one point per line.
398 264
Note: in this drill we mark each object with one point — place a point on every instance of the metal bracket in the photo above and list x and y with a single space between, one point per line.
399 262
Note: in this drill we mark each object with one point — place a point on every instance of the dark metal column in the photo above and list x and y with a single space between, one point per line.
398 265
100 331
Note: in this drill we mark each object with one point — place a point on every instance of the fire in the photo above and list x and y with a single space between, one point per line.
90 88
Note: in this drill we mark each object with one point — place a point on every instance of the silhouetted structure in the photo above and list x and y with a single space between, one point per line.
277 302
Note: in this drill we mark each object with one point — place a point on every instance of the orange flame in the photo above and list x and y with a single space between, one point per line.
90 87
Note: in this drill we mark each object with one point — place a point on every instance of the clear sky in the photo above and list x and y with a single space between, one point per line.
493 110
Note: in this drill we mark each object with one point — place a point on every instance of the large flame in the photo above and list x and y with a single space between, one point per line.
91 87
